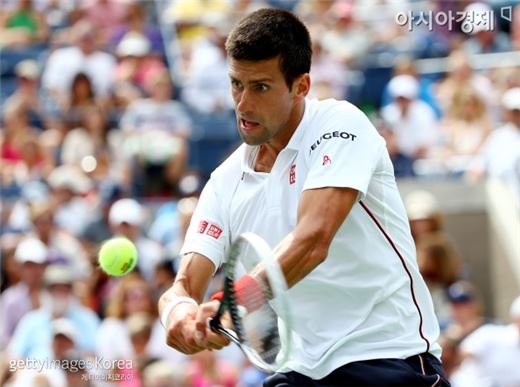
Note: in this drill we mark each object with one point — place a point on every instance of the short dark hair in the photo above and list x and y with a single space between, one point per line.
268 33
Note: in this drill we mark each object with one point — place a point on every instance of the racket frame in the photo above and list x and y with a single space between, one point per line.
229 303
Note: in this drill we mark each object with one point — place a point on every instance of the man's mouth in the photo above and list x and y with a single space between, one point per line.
248 125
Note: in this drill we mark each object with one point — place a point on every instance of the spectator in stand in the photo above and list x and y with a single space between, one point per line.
165 374
503 79
63 345
424 214
27 93
206 369
450 353
207 88
485 37
135 21
126 218
10 268
329 75
69 184
83 56
189 16
89 138
404 65
348 39
33 335
16 129
467 309
98 229
440 266
18 300
156 130
136 64
465 128
491 354
80 97
460 74
411 121
500 154
22 26
106 15
95 148
314 11
58 14
403 165
24 159
132 296
63 247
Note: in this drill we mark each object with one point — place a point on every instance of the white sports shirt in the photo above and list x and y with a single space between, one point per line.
367 300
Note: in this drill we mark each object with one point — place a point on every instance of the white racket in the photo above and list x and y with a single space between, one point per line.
262 334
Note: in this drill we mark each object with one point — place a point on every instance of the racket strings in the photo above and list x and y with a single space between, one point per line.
260 327
233 308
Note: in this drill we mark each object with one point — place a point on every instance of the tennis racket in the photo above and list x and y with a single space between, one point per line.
261 322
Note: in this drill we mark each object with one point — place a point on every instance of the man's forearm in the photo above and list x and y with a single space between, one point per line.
192 280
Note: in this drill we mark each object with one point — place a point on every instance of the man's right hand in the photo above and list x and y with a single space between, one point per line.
181 331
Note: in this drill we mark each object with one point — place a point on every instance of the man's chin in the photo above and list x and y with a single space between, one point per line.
251 140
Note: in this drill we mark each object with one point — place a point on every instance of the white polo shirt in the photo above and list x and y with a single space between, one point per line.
367 300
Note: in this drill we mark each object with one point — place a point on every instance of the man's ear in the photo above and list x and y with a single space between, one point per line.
302 85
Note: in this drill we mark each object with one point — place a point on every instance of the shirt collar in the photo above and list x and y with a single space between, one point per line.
296 138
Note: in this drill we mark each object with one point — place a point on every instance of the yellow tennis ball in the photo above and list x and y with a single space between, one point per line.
117 256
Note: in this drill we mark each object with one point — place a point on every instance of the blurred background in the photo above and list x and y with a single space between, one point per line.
115 112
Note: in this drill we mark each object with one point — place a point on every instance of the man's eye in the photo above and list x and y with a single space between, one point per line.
236 84
262 87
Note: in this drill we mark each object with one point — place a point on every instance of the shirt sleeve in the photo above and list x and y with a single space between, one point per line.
208 232
345 152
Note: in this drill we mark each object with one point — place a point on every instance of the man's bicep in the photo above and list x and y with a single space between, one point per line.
320 214
194 275
325 209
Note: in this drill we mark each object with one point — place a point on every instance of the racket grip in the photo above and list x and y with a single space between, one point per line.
248 293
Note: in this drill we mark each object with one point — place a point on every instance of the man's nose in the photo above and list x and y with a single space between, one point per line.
244 103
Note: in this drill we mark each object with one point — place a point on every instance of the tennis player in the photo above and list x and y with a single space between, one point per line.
314 179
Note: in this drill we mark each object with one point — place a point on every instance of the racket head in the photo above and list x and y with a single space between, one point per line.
262 331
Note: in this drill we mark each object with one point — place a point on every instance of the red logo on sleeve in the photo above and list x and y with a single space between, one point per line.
292 174
203 225
214 231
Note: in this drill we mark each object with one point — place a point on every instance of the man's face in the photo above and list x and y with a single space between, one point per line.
61 298
32 273
265 107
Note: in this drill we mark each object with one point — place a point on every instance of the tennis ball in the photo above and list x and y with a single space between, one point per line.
117 256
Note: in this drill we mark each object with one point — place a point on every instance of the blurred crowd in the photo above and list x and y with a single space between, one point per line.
114 112
477 350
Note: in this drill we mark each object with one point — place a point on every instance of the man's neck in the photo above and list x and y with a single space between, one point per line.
269 151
